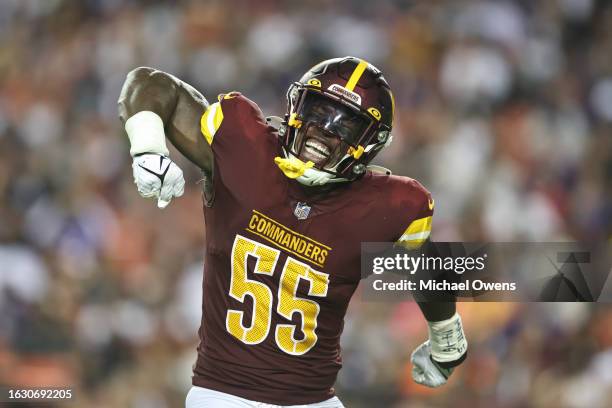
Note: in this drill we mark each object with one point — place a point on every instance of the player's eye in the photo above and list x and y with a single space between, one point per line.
322 111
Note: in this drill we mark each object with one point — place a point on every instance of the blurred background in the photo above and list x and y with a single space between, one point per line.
504 111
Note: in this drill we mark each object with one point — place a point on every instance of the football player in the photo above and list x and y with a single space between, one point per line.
286 207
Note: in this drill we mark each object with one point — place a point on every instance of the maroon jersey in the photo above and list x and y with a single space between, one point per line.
281 265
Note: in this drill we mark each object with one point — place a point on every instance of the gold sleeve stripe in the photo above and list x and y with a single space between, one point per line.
352 82
417 232
420 225
419 235
211 121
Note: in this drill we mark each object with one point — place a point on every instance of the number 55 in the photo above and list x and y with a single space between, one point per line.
288 302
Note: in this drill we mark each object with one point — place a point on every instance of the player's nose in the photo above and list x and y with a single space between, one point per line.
328 136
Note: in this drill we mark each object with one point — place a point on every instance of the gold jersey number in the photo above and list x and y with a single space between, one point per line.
288 303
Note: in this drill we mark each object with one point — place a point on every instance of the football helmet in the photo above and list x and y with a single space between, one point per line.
339 116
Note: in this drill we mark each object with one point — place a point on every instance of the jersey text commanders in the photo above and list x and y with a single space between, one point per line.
297 244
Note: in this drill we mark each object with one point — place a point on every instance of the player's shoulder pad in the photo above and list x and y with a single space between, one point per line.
236 100
411 205
231 107
404 194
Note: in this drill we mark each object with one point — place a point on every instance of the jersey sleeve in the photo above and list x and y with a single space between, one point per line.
418 225
243 144
233 119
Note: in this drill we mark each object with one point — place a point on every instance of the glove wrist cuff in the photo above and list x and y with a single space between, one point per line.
145 130
447 340
450 364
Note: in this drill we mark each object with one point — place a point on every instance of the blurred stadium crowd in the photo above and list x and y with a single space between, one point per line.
504 111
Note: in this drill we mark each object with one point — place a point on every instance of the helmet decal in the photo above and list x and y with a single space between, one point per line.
342 91
375 112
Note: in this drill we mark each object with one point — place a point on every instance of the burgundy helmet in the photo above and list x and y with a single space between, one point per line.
343 97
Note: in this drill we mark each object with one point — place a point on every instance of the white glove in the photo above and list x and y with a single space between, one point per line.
425 371
157 176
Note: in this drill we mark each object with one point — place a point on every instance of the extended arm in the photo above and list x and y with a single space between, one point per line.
178 105
434 360
446 348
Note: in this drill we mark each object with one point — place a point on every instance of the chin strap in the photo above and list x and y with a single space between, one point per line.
292 167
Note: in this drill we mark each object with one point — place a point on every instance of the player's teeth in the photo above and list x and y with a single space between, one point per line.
319 151
315 153
318 147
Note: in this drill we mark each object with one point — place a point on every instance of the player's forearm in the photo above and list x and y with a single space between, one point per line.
437 311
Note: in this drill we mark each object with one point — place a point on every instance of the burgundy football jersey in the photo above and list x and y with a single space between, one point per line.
282 264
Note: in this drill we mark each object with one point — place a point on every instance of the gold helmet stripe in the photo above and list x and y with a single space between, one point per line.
352 82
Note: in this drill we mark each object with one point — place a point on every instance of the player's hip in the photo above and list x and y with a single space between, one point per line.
267 377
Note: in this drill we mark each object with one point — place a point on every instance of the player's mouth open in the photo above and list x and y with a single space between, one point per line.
316 149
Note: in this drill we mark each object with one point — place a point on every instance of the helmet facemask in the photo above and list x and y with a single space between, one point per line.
337 136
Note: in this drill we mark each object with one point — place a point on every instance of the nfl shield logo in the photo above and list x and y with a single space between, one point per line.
301 211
